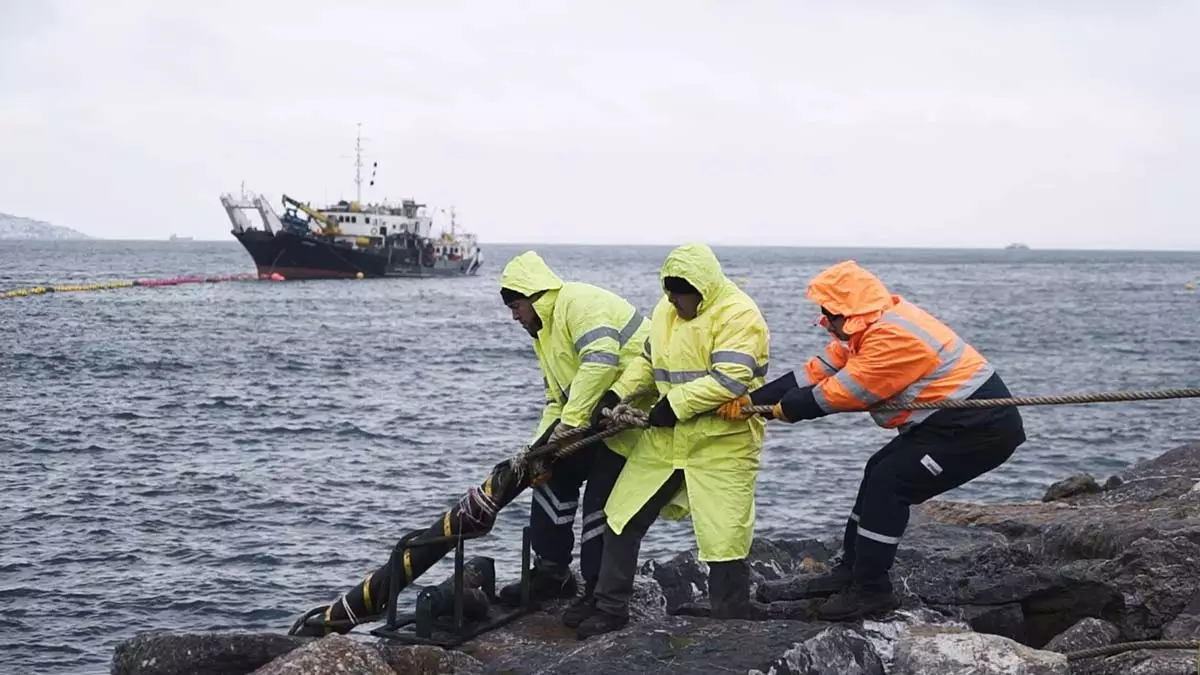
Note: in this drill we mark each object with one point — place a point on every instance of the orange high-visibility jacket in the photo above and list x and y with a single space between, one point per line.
897 352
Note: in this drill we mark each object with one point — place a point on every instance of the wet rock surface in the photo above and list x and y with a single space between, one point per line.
996 588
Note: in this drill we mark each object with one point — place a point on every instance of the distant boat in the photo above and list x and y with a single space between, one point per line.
176 237
351 239
1017 247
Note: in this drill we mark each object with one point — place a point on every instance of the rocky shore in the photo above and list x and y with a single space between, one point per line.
1014 588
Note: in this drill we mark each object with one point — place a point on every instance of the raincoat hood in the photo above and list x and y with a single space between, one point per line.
852 292
698 265
528 273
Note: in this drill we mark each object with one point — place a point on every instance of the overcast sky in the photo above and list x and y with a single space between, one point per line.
969 123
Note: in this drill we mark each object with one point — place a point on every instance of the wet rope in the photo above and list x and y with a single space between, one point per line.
1066 399
1120 647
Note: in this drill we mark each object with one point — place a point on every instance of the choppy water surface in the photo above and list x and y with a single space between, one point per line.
231 455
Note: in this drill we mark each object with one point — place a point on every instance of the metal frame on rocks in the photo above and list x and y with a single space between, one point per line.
427 629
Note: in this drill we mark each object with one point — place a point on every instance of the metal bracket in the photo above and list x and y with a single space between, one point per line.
431 629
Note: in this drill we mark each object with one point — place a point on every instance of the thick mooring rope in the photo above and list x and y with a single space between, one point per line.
1065 399
1120 647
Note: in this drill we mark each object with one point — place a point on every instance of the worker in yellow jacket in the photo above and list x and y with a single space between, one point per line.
584 337
708 344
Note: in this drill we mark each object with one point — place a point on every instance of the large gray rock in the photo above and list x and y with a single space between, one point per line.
1141 662
949 651
1069 487
426 660
539 644
837 650
1186 626
1085 634
330 654
217 653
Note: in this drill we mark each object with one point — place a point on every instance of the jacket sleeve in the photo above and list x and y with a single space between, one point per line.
739 354
551 412
828 364
639 374
597 345
889 361
774 391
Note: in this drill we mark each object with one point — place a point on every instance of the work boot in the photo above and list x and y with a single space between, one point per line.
729 589
579 610
857 601
600 622
835 580
543 585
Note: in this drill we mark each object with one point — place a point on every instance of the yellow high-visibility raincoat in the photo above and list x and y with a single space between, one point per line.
589 336
699 365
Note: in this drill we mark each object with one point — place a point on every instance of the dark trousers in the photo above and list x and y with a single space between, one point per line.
555 503
914 467
729 581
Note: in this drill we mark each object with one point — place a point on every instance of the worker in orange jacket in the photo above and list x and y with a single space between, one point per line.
887 350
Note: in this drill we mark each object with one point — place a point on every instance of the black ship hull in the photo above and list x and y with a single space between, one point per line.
303 256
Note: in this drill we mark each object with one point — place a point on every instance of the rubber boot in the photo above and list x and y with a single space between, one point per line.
600 622
579 610
729 589
545 583
834 581
860 599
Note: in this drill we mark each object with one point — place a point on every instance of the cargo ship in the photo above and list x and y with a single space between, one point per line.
350 239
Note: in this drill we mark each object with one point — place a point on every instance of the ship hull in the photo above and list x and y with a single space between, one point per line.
295 256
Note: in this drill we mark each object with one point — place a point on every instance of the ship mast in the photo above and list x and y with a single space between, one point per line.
358 165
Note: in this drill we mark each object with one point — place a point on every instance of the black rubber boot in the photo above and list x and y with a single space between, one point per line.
579 610
600 622
834 581
729 589
543 585
858 601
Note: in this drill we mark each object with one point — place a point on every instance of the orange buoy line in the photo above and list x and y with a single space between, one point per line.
109 285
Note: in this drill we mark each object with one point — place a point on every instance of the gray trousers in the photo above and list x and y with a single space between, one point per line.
729 582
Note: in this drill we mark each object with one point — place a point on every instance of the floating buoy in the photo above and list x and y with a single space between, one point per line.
276 276
1189 286
358 275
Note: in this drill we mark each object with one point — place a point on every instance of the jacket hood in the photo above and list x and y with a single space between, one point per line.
528 273
698 265
853 292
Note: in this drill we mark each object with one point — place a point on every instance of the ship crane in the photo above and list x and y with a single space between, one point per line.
328 226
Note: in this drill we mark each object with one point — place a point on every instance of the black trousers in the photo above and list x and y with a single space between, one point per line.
556 502
728 582
914 467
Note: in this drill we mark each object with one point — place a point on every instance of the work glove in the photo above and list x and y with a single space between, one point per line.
610 399
539 473
662 414
777 413
732 410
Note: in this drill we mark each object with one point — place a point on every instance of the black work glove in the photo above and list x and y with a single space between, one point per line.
609 400
662 414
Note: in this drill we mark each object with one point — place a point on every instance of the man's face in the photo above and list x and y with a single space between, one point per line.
686 304
834 324
523 313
